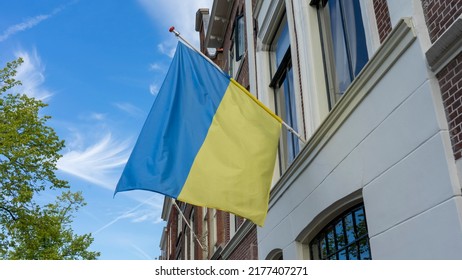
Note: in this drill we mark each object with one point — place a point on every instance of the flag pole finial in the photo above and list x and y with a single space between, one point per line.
172 29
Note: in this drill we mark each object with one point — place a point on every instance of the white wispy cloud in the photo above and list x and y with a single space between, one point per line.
27 24
129 108
98 163
160 70
141 252
31 22
156 67
32 75
147 210
167 48
167 13
154 88
98 116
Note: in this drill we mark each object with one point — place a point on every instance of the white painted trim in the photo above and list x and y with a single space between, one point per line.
295 49
268 15
250 46
166 208
370 26
324 218
313 84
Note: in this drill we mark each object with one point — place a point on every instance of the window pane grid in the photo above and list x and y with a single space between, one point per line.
345 238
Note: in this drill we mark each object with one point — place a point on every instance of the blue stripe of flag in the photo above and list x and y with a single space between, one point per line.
176 125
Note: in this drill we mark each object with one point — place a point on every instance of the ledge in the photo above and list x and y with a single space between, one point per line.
237 238
446 47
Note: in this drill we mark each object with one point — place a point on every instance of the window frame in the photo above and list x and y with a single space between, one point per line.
231 62
331 227
289 146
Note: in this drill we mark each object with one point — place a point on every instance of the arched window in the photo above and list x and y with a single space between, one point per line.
345 238
275 254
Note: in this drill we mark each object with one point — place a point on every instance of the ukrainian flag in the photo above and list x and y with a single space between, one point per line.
206 141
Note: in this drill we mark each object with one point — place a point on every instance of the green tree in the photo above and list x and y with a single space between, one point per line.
29 151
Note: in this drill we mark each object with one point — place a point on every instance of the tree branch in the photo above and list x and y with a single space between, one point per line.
9 212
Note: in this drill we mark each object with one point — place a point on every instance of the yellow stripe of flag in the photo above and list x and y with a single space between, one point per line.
233 169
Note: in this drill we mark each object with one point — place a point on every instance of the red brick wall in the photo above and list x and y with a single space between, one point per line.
221 227
440 14
198 230
247 249
382 16
172 228
450 80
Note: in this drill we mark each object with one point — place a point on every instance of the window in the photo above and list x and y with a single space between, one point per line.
237 48
283 83
205 233
343 43
180 224
213 228
276 254
345 238
232 225
187 243
239 39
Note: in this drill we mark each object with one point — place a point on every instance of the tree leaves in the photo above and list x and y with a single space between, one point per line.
29 151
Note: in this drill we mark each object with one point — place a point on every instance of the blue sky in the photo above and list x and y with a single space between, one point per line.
98 64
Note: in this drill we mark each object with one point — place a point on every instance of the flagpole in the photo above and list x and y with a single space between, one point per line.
294 132
177 34
190 228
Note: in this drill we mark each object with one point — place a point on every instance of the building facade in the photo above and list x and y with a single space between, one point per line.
374 86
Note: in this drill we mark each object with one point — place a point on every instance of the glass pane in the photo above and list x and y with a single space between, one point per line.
343 76
342 255
282 44
323 245
361 229
354 30
338 239
349 227
364 249
340 234
290 115
240 38
353 252
330 241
